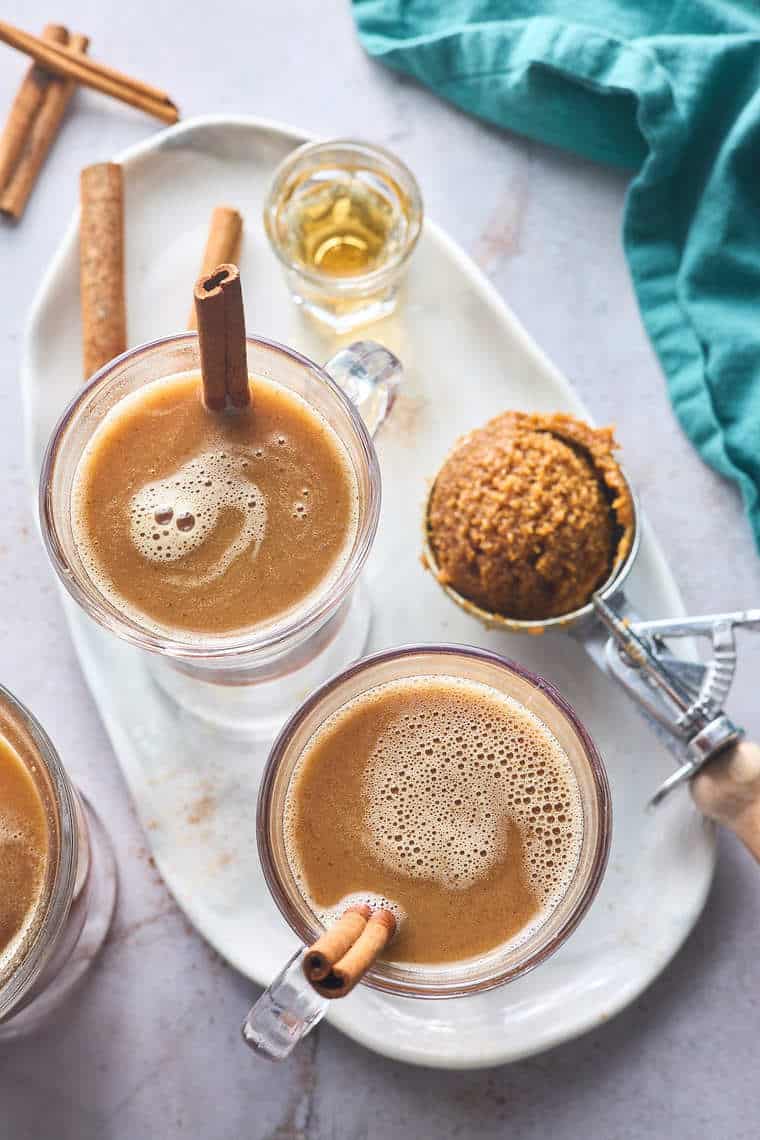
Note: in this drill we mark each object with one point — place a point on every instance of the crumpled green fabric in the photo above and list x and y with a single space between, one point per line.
670 90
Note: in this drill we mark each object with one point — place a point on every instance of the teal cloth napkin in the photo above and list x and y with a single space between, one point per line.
670 90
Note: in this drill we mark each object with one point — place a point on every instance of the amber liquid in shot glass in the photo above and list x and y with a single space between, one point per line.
343 218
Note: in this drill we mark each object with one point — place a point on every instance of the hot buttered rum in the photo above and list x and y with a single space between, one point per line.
447 802
208 523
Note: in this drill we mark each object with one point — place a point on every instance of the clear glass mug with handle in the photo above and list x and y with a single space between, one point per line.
257 677
76 903
289 1008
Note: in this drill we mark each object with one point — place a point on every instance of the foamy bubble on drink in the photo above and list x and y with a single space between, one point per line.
330 914
440 784
174 516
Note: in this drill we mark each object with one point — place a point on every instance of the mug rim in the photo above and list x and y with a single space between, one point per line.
309 932
273 635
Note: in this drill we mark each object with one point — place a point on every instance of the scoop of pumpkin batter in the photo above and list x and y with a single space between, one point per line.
529 514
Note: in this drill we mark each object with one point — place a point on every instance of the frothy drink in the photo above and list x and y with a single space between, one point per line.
24 846
445 800
213 523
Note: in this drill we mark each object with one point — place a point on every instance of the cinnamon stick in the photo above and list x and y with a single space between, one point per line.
353 965
221 332
40 135
222 245
61 60
28 100
101 261
335 942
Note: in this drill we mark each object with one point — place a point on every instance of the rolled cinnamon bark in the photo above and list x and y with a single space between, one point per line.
101 261
28 101
351 968
61 60
221 333
40 138
222 245
335 942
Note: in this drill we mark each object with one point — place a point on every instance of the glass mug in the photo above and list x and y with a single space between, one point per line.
79 891
289 1007
261 675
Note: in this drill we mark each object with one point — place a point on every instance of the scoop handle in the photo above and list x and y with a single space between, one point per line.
728 790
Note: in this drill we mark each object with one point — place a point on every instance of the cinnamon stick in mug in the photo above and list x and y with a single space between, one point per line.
101 261
222 245
40 136
335 942
351 968
221 332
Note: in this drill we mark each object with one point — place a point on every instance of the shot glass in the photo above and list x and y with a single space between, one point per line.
289 1007
78 893
258 676
343 218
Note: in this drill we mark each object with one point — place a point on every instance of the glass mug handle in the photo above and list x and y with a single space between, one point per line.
287 1010
369 375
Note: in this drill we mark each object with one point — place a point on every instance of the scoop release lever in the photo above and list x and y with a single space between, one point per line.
686 697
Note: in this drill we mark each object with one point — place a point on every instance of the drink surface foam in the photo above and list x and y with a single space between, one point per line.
174 516
23 855
458 790
196 523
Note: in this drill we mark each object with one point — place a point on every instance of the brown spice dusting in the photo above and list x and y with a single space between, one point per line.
201 809
529 515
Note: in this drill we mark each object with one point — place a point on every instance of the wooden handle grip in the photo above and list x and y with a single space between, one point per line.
728 790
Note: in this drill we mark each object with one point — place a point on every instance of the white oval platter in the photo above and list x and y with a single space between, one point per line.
195 786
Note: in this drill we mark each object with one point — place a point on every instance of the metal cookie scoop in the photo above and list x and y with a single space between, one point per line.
684 697
682 700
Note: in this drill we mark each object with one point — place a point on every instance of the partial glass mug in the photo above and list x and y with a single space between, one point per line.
78 894
259 676
289 1008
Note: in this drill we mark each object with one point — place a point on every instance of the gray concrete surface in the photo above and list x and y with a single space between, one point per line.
151 1047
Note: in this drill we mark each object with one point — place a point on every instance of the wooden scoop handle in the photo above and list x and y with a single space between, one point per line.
728 790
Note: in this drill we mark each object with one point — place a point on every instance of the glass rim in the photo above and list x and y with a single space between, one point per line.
357 282
309 931
60 892
272 635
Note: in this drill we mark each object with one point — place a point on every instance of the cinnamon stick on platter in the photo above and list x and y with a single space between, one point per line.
28 100
334 977
101 265
33 124
222 245
221 332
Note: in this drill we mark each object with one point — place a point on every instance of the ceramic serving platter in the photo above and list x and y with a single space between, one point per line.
195 783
